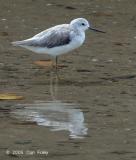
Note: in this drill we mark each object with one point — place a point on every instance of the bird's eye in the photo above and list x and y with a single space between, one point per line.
83 24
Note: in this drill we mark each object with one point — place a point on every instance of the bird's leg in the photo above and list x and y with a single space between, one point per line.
56 59
57 69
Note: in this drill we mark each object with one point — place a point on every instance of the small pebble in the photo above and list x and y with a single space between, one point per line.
94 60
3 19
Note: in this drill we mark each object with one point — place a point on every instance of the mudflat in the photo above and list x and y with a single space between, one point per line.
89 113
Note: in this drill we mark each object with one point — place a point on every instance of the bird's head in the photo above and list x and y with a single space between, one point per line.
82 24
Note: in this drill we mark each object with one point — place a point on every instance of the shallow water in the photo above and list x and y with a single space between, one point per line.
89 113
56 114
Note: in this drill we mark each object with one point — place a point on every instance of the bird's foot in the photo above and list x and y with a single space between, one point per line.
59 66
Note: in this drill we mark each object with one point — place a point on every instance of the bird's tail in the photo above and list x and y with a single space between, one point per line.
17 43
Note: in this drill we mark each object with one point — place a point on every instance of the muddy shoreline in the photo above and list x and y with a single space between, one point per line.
98 82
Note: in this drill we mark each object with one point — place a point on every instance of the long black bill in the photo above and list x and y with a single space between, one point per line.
96 30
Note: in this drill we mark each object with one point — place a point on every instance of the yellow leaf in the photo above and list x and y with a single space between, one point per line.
10 96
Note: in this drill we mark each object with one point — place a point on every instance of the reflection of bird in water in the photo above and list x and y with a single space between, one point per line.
59 39
53 86
55 114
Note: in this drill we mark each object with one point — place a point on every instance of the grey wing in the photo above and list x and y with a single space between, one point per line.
50 39
54 39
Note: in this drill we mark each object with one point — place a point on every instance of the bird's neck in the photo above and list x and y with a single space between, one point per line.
81 32
77 29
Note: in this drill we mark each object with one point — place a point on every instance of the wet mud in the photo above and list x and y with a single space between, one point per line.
89 112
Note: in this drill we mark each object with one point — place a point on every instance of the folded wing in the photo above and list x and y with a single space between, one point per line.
51 38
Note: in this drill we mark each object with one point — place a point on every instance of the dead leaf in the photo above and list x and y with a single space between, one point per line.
49 63
121 43
10 96
70 7
44 63
4 33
